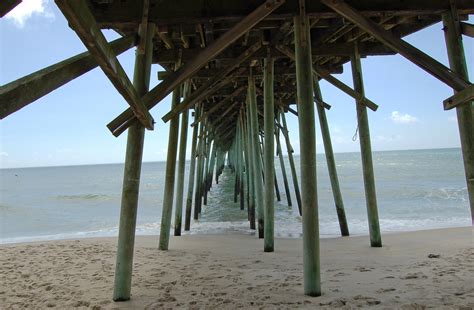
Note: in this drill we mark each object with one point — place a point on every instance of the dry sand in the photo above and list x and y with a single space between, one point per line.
231 271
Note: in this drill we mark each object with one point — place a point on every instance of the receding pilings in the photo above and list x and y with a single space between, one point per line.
181 165
304 78
328 151
170 175
457 62
131 178
283 169
269 147
366 153
192 169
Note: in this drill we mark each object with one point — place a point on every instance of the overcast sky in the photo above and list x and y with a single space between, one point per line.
67 127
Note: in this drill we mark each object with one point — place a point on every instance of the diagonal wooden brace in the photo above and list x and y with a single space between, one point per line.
465 96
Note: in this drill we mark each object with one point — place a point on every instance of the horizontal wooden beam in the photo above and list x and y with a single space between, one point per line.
410 52
7 5
332 80
82 21
465 96
18 94
158 93
467 29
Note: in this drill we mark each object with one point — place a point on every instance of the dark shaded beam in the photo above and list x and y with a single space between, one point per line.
82 21
18 94
465 96
467 29
410 52
123 121
8 5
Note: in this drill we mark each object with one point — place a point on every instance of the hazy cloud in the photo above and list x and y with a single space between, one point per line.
400 118
3 154
22 12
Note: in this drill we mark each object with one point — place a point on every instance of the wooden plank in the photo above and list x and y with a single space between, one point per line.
18 94
216 79
334 81
7 5
164 88
410 52
465 96
467 29
82 21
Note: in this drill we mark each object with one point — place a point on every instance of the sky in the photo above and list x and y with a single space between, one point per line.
68 126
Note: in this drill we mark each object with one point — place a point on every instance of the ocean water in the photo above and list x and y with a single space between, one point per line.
418 189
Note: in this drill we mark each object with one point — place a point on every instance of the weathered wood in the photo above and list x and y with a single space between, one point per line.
164 88
408 51
465 96
465 112
168 196
204 89
18 94
283 169
307 131
467 29
192 169
131 181
200 158
7 5
332 80
80 18
331 162
366 154
250 177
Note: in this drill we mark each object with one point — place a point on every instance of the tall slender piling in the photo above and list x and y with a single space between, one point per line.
192 169
251 183
170 175
200 159
131 178
366 153
304 78
282 166
181 165
269 147
465 112
209 143
331 162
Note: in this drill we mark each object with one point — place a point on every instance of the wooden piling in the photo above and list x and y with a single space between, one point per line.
283 169
269 147
192 169
465 112
250 178
328 151
200 159
304 78
131 178
366 154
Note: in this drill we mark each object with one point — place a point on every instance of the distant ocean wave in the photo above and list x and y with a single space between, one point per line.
101 197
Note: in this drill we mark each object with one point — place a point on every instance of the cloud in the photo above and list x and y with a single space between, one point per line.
22 12
400 118
3 154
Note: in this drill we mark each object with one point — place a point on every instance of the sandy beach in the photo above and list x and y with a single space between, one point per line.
413 270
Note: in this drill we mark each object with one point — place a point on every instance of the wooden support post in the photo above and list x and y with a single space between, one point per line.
192 169
183 139
304 79
250 167
131 180
164 88
206 166
269 148
256 161
241 167
200 154
168 195
289 149
336 190
237 166
283 169
20 93
465 112
366 154
80 18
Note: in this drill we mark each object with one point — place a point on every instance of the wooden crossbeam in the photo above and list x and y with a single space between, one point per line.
467 29
18 94
82 21
410 52
217 78
221 116
328 77
7 5
465 96
167 86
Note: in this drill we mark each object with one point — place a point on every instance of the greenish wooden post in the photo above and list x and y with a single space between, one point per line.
307 131
170 175
192 169
256 159
206 165
331 162
198 194
241 167
366 154
283 170
181 165
131 178
289 149
465 112
251 185
237 168
269 148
